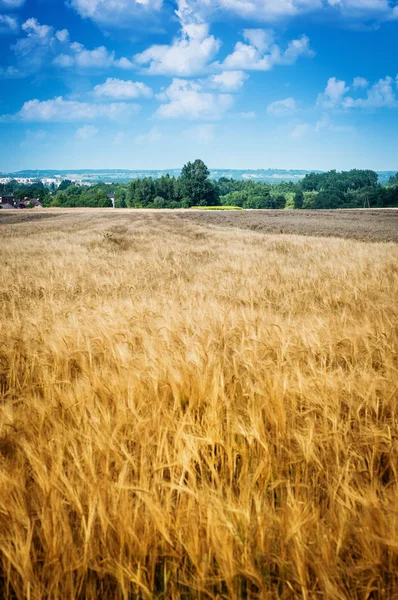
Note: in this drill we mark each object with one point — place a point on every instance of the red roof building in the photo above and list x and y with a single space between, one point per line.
7 199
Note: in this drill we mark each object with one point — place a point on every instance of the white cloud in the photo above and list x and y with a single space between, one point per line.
152 136
300 130
62 35
124 63
189 54
8 24
322 123
10 73
64 61
333 94
86 132
296 49
259 10
364 9
261 54
203 134
360 82
380 95
246 56
119 89
11 4
282 108
123 14
33 27
262 39
130 13
228 81
99 58
60 110
187 100
35 49
269 11
42 46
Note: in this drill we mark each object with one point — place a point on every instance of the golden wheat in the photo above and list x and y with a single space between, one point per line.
196 412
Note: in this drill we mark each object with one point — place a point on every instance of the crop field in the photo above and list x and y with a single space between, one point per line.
375 225
198 405
368 224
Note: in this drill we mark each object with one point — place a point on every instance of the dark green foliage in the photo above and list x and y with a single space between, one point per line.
234 199
65 184
164 192
197 188
120 197
298 199
145 193
75 196
255 196
342 182
279 201
393 180
327 200
350 189
391 196
159 202
36 190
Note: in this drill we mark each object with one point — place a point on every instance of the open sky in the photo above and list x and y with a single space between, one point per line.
306 84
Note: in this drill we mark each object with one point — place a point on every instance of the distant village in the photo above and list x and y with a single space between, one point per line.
50 182
10 202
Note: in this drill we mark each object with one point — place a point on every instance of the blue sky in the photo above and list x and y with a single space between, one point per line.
135 84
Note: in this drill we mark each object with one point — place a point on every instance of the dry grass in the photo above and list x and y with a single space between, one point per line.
373 225
193 412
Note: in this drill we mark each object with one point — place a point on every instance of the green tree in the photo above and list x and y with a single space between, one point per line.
391 196
159 202
235 199
120 197
65 184
144 192
164 187
279 201
310 199
326 200
130 196
341 182
393 180
298 199
196 185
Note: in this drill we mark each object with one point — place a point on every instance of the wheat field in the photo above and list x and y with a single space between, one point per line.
191 411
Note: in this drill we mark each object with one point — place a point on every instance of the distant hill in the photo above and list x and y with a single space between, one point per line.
124 176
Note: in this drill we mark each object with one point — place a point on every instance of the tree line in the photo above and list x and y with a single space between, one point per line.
346 189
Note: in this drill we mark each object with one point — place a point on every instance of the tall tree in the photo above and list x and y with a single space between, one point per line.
65 184
393 180
298 199
196 185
